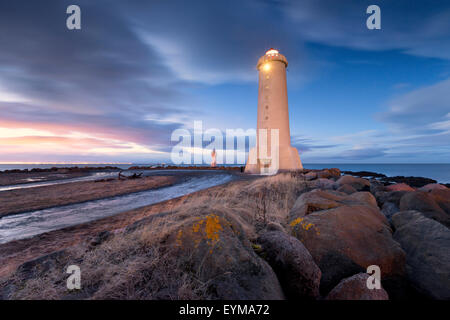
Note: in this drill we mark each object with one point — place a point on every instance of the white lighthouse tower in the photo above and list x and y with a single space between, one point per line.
269 157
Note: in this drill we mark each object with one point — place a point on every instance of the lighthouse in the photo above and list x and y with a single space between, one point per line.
273 151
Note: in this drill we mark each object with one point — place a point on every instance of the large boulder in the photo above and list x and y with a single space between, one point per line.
298 273
346 239
359 184
346 188
425 203
355 288
216 248
318 199
427 246
442 198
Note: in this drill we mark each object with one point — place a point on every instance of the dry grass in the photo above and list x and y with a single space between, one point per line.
137 264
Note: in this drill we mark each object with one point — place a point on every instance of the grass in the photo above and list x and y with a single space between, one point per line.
142 264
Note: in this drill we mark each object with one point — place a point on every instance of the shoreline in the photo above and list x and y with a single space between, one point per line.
46 197
62 173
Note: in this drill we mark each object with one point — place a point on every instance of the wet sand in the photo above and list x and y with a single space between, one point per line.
23 200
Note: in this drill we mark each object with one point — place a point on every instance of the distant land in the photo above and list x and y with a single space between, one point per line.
437 171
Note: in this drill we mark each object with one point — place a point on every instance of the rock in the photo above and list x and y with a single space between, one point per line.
100 238
433 186
424 202
333 173
311 175
376 187
399 187
323 184
355 288
392 196
215 247
359 184
346 188
442 198
298 273
415 182
389 209
427 246
275 226
312 201
361 197
347 239
317 200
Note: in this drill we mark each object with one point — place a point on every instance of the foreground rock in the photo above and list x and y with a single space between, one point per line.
345 237
216 247
298 273
318 199
425 203
355 288
427 246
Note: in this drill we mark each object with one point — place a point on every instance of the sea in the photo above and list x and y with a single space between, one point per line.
437 171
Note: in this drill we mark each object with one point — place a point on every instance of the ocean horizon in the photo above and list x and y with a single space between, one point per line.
437 171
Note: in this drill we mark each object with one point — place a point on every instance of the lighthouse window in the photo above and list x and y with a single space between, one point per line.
267 107
267 118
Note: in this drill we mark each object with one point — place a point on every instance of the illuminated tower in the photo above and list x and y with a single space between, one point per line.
273 113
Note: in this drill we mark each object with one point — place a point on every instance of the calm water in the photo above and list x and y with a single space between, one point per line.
439 171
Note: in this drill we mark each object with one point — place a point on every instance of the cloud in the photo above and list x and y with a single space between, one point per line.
308 144
424 110
122 82
416 28
362 153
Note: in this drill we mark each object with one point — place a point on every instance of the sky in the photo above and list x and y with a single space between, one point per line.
117 89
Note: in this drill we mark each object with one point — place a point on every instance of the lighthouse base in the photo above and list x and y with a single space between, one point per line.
288 160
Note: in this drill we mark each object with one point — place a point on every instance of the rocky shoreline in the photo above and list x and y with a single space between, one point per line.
298 235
